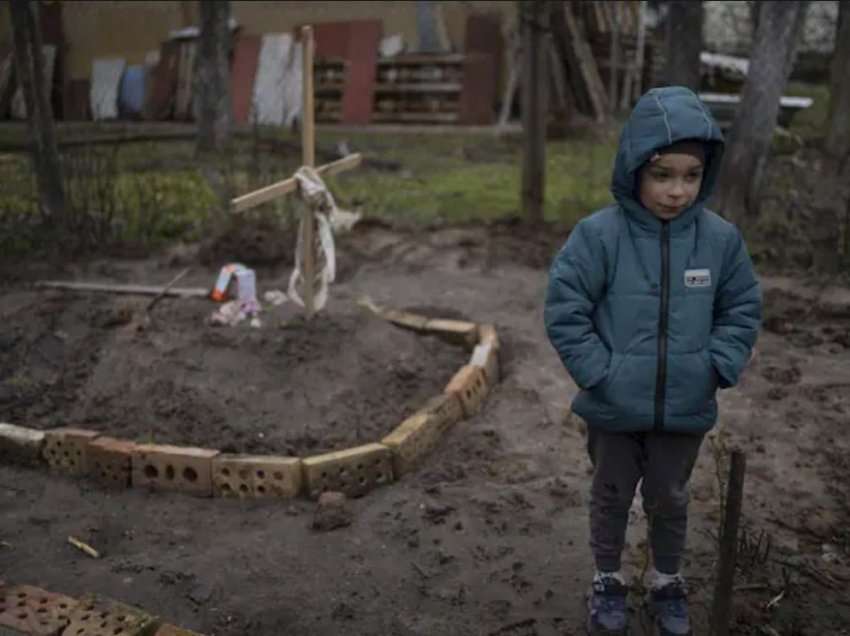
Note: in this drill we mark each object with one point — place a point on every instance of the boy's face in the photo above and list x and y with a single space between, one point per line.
670 183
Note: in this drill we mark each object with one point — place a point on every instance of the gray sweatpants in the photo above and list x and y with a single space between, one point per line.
665 462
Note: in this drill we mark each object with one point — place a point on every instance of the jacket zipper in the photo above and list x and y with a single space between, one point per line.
661 374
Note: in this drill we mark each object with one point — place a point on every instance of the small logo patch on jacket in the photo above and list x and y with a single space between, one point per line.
697 278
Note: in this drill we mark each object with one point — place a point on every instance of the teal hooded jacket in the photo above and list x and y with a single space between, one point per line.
651 317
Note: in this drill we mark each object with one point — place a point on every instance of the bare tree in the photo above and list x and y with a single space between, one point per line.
838 124
770 65
213 77
534 25
29 69
684 43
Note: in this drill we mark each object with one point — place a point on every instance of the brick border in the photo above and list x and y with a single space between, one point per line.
116 463
32 610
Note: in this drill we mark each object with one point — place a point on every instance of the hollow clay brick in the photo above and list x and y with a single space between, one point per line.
172 630
454 331
179 468
445 406
470 385
98 616
487 357
256 476
487 335
354 471
31 610
405 319
66 449
21 445
110 461
414 439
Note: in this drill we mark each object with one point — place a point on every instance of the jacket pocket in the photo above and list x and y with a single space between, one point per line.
691 382
629 388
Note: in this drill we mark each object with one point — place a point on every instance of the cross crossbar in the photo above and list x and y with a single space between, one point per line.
287 186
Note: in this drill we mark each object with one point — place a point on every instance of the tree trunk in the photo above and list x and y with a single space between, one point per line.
534 23
614 56
29 68
684 43
213 77
749 140
837 142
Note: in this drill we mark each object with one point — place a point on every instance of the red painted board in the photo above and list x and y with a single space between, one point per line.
76 103
363 42
478 96
246 57
163 93
331 39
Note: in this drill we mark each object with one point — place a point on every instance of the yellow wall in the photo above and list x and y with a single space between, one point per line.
115 29
129 29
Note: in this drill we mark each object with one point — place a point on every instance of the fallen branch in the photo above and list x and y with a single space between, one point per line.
775 600
84 547
166 289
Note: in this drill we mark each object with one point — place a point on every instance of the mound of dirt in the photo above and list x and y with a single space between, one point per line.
293 387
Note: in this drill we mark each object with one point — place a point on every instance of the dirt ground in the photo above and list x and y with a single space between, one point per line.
488 537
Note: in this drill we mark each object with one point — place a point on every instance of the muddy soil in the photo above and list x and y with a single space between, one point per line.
168 376
490 535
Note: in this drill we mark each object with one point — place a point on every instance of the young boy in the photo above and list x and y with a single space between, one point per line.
652 305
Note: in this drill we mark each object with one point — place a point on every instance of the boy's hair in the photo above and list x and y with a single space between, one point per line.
692 147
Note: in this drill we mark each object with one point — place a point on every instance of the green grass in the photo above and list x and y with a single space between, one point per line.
809 124
154 192
462 179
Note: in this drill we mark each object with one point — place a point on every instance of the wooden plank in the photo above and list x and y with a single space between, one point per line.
141 290
281 188
423 87
725 581
423 117
308 158
454 58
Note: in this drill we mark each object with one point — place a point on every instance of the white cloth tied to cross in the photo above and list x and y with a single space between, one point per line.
330 218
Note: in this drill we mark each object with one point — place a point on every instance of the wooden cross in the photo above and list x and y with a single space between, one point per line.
308 158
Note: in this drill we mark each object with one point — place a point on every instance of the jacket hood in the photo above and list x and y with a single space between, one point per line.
662 117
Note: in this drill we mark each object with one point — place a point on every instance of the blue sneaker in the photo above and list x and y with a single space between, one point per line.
607 610
668 606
